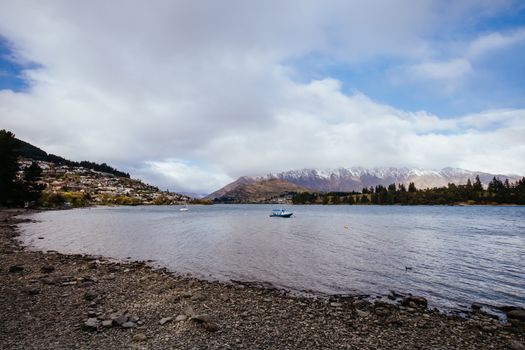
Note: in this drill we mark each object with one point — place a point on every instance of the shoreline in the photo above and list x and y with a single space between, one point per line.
55 301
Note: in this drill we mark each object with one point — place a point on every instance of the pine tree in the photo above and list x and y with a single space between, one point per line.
478 187
8 167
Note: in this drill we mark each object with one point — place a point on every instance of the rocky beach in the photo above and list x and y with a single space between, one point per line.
54 301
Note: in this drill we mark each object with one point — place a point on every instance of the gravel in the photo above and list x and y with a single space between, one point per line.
85 302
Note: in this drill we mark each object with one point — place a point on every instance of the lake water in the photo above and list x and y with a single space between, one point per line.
457 255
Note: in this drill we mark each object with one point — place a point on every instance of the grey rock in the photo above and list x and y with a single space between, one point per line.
516 314
139 337
198 297
211 326
516 345
181 318
91 324
188 311
90 295
120 320
92 313
201 318
165 320
416 301
32 290
107 323
336 304
47 281
16 268
362 313
134 318
47 269
129 325
382 311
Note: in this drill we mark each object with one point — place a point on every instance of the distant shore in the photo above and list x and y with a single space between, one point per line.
55 301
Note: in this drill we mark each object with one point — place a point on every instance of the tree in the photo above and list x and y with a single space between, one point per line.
8 167
412 187
33 187
478 187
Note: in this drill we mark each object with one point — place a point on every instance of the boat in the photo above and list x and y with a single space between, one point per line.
281 213
184 208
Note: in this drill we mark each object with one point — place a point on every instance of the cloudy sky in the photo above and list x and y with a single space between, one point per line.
189 95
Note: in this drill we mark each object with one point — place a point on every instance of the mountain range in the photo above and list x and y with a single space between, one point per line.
347 180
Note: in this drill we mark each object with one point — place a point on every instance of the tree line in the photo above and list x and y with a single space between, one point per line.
17 189
497 192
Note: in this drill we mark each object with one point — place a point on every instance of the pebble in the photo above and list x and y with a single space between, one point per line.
362 313
181 318
165 320
107 323
47 269
336 304
139 337
91 324
90 295
516 345
129 324
16 268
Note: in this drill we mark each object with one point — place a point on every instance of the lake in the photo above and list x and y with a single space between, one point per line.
455 255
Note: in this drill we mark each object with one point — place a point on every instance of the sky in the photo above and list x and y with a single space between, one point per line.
190 95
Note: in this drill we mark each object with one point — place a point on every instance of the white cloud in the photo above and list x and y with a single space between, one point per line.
495 41
191 96
445 70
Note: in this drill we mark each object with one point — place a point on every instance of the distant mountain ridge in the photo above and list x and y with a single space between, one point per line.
356 178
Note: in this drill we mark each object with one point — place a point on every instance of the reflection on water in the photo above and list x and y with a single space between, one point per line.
457 254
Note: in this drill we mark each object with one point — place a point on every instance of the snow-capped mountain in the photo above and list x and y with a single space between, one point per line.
356 178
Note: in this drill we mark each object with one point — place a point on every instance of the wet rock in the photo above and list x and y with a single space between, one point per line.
165 320
476 306
201 318
198 297
129 324
47 281
415 301
516 345
119 319
382 312
47 269
90 295
91 324
32 290
181 318
362 313
16 268
139 337
517 314
211 326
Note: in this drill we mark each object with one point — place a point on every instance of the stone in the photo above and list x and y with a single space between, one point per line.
516 345
107 323
516 314
90 295
134 318
139 337
201 318
129 324
336 304
120 320
165 320
224 297
416 301
92 313
188 311
32 290
476 306
47 269
91 324
362 313
211 326
16 268
382 311
198 297
181 318
47 281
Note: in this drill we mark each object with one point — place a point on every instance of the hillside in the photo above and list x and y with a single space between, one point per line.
71 183
247 190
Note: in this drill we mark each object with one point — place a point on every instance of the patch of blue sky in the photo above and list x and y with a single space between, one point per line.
11 71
